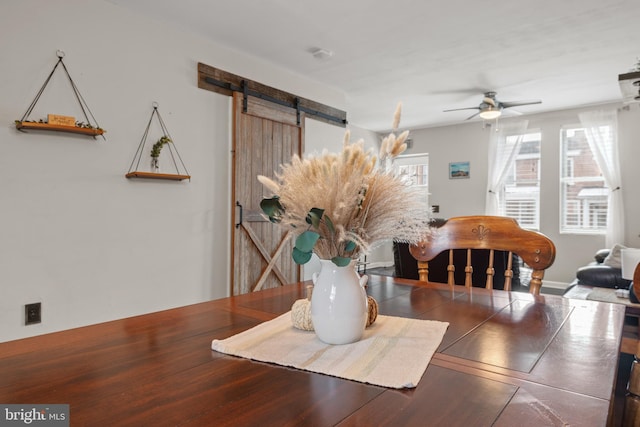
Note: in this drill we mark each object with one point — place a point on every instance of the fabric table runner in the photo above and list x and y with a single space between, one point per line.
393 352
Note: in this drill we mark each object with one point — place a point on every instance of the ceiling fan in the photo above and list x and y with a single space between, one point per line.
490 108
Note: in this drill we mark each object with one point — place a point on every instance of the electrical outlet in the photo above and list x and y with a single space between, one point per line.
33 313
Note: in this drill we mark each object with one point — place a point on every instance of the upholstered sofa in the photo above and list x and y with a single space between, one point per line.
604 271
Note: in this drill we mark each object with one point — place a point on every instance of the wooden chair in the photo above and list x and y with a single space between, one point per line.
487 232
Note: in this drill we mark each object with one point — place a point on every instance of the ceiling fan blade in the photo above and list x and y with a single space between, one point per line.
513 112
459 109
472 116
518 103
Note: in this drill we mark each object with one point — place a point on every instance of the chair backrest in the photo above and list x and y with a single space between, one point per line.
406 267
487 232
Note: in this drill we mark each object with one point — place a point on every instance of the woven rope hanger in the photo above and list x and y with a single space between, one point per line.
173 151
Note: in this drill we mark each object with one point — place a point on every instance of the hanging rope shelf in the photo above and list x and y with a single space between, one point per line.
60 123
156 150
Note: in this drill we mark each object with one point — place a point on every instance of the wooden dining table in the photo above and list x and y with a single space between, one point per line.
506 359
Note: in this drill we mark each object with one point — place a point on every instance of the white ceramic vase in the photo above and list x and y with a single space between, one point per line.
338 303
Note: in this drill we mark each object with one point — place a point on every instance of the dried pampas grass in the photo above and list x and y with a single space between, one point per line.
360 193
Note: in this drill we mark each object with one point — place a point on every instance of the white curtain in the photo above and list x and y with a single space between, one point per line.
504 146
605 151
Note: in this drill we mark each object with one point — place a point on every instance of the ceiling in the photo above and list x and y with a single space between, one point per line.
430 54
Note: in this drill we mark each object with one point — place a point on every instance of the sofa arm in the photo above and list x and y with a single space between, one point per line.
602 276
601 255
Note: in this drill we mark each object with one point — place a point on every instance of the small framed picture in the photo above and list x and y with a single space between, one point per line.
459 170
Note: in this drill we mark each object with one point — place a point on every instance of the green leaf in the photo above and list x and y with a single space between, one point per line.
306 241
351 245
300 257
272 208
341 261
314 216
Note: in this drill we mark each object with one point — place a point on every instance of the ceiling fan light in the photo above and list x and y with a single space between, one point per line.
490 113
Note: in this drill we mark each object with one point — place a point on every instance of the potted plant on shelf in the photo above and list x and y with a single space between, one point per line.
155 152
43 124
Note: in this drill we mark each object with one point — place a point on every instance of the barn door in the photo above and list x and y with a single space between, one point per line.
265 135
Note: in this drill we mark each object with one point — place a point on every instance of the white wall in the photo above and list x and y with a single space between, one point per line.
469 142
75 234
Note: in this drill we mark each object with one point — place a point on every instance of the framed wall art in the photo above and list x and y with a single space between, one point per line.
459 170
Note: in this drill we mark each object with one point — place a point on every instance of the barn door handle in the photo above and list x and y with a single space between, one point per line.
240 206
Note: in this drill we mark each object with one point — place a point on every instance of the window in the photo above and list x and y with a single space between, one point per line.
583 191
414 169
521 192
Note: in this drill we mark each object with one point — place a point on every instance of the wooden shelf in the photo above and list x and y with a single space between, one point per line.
155 175
58 128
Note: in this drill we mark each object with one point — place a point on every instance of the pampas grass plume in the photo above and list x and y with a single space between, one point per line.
365 200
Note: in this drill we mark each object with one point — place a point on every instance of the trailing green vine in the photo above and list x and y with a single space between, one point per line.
157 147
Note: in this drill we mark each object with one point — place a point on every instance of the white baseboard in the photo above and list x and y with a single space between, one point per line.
554 285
